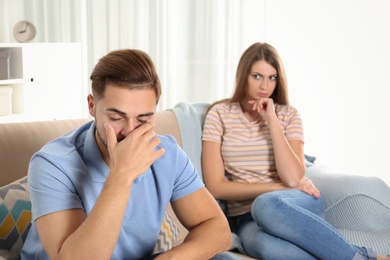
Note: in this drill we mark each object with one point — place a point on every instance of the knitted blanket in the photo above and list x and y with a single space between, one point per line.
190 118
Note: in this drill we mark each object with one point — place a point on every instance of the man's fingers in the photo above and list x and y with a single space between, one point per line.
158 153
110 135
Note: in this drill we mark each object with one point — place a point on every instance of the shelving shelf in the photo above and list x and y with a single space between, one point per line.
46 81
11 81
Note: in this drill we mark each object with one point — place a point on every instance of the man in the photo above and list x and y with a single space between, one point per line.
100 191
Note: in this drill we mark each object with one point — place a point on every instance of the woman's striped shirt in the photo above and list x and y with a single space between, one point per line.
246 147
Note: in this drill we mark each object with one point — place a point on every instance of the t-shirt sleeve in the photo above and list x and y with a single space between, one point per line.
187 179
50 189
293 127
212 129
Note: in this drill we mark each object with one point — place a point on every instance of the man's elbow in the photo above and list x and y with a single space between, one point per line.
227 240
224 234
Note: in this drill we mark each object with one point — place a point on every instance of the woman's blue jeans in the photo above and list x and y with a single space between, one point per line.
289 224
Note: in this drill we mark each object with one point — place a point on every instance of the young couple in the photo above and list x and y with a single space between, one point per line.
100 191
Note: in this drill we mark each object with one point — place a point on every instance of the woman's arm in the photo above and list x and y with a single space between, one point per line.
289 155
219 187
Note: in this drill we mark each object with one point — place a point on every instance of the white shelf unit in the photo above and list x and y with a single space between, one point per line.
47 81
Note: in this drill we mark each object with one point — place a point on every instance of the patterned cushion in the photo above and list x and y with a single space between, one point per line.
15 222
15 218
168 236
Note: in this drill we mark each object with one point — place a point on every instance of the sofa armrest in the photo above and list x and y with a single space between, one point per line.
357 206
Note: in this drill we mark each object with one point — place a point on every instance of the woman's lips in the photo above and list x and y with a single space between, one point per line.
263 95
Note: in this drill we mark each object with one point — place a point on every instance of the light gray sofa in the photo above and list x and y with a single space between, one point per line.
359 207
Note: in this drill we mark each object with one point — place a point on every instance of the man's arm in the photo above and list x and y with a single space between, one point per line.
209 232
70 234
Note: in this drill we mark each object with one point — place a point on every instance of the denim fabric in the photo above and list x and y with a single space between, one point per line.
226 256
221 256
289 224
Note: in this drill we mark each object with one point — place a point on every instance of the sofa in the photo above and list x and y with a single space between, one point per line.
359 207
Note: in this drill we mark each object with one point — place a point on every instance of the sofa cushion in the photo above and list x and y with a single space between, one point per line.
15 218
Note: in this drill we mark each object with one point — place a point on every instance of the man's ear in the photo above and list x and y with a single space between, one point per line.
91 105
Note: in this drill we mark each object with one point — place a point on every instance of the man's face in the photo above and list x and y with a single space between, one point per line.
123 109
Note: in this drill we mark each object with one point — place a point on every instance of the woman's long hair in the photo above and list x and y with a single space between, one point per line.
257 52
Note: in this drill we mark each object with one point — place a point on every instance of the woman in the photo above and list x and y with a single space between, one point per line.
253 158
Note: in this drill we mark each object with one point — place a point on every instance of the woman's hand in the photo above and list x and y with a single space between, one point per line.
307 186
265 107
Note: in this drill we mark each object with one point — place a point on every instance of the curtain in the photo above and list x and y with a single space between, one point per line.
195 44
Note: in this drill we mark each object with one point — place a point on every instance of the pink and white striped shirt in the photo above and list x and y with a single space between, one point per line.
246 147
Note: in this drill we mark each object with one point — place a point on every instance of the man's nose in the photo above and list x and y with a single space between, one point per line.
128 127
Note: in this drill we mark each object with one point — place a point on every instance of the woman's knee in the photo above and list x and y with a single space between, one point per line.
254 240
263 206
269 207
261 245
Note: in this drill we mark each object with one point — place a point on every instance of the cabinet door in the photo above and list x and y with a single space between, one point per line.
53 81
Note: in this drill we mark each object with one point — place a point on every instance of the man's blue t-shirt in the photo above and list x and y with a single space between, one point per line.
69 172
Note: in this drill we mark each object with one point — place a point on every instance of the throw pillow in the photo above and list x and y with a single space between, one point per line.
168 236
15 218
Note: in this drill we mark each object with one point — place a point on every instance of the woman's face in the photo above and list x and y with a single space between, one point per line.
262 80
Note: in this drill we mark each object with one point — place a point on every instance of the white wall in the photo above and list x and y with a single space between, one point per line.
337 57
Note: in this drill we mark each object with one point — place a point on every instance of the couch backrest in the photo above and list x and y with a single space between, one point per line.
19 141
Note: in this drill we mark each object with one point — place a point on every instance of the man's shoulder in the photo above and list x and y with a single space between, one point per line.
170 145
167 139
67 143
